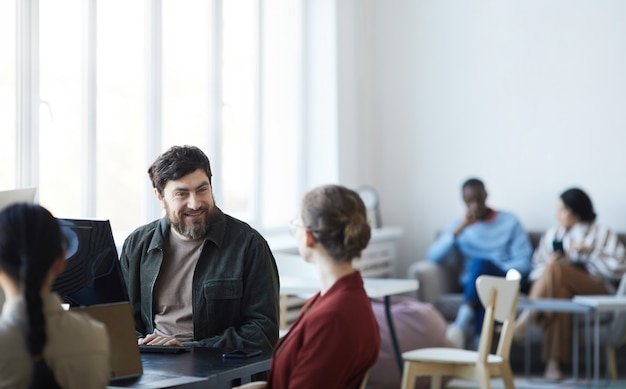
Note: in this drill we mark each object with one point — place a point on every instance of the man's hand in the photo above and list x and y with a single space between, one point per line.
469 219
159 340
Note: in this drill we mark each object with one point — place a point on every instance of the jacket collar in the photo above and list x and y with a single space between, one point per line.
347 282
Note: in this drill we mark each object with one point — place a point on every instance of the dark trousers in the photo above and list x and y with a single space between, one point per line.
476 268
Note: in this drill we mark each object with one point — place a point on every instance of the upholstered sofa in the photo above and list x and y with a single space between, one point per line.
438 285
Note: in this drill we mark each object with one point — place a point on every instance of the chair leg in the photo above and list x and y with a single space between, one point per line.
507 376
408 376
610 357
364 380
483 376
435 382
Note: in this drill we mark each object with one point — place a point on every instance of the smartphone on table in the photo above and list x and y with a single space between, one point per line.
242 353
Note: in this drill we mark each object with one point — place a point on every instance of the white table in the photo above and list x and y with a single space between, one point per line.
305 285
374 287
600 303
566 306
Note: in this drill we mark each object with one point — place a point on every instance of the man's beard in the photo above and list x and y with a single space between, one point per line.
196 229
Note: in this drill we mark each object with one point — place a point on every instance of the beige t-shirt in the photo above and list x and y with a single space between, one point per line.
173 289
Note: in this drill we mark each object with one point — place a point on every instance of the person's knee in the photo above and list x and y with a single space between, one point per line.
478 266
554 267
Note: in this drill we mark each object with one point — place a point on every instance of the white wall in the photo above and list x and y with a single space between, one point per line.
530 96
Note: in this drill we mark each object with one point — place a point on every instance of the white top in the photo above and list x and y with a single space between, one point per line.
607 261
77 350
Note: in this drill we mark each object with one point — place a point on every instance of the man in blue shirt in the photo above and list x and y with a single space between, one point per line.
490 242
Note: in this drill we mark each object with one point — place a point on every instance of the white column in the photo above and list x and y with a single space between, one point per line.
153 63
27 89
89 150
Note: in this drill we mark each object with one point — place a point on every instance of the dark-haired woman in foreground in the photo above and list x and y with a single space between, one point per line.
43 346
575 257
336 340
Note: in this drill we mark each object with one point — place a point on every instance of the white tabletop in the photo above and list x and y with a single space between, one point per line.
602 302
374 287
299 278
553 304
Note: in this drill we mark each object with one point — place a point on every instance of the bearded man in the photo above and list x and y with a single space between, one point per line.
198 276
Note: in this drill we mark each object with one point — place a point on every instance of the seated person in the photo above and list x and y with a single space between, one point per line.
43 346
198 276
335 340
577 256
491 242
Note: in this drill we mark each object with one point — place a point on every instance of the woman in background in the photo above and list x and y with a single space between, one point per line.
575 257
335 340
49 347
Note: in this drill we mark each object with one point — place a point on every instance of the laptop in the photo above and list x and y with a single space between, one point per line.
126 365
22 195
146 348
118 319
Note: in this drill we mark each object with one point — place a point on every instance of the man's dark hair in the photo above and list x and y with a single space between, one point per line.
177 162
473 183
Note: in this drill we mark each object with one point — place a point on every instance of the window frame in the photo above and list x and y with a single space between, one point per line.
309 143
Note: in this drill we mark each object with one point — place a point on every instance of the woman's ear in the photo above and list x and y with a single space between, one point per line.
59 264
310 239
7 286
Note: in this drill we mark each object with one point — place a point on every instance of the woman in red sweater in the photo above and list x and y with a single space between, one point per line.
335 340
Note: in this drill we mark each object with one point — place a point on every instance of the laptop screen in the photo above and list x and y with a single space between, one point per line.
23 195
92 272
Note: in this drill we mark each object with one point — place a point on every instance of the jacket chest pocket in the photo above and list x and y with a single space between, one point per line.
223 289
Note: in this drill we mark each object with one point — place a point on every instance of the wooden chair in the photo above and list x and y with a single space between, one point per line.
364 380
499 296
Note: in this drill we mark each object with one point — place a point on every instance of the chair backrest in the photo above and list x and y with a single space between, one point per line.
499 296
506 289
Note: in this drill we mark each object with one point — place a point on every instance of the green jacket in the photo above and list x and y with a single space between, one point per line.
235 283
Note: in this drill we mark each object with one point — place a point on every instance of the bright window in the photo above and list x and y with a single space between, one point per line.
240 111
8 145
120 160
186 65
60 106
119 82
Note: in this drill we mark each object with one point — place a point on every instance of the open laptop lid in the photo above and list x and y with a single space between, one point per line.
118 319
23 195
